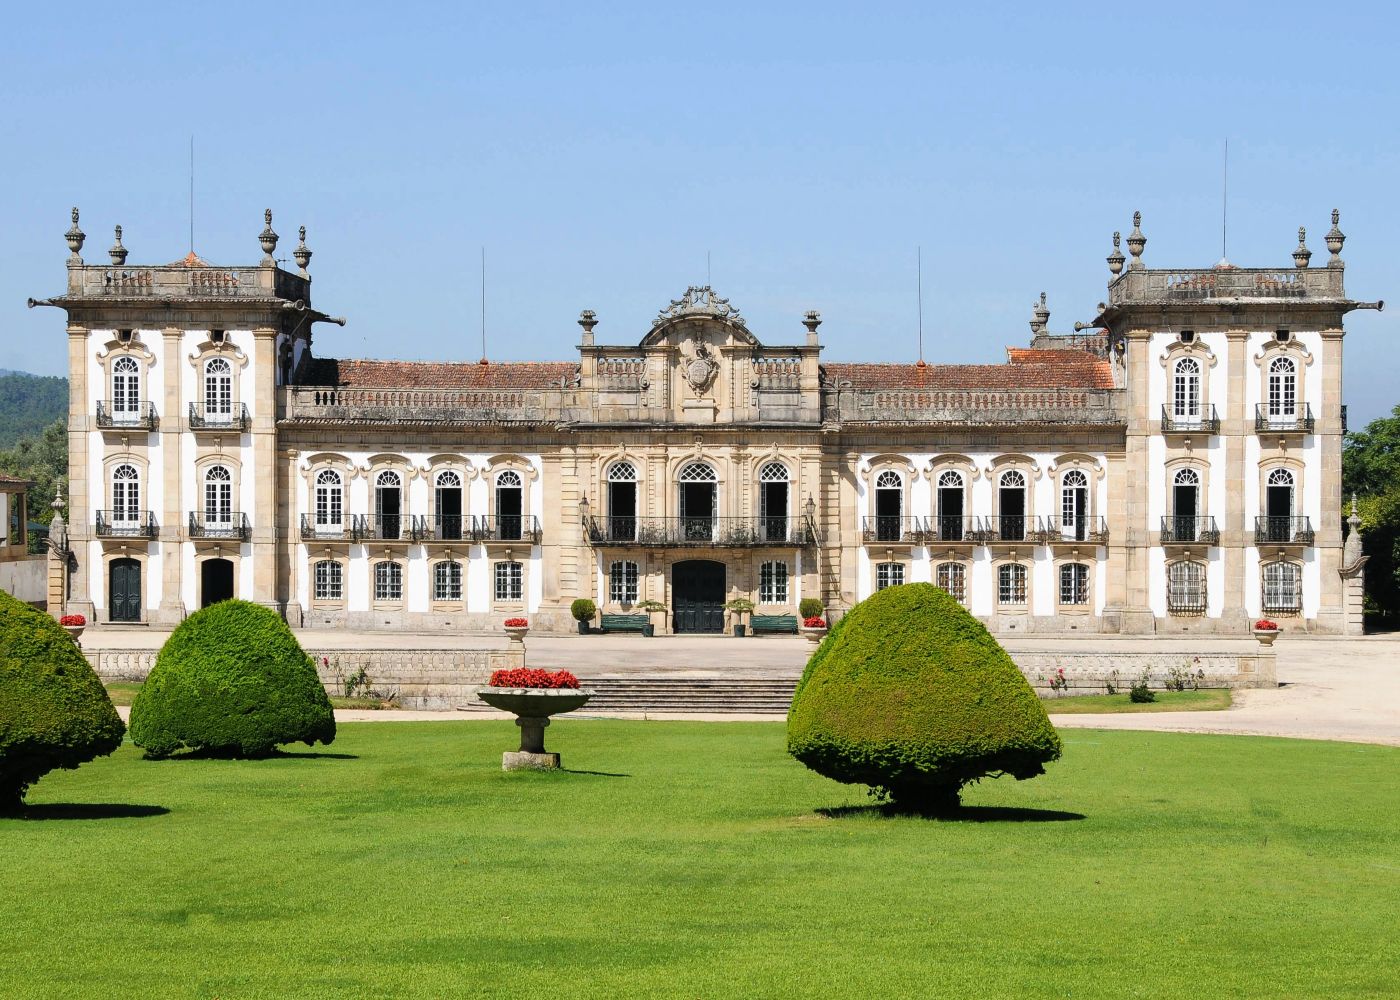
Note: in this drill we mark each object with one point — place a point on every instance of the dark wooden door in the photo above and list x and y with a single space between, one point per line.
124 579
697 588
216 581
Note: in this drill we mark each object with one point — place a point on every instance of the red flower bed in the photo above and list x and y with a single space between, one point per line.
815 622
517 623
72 620
528 677
1264 625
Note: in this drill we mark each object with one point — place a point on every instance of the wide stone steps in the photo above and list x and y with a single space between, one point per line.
694 695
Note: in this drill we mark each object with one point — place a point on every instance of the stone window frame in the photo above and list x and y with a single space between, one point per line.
785 587
1302 358
491 471
1094 471
618 566
602 471
875 567
1074 608
1204 603
1200 465
1176 351
510 603
1023 607
312 466
387 603
1277 610
721 481
207 351
959 564
458 603
870 472
465 471
208 460
790 465
142 556
142 464
1013 462
1274 463
144 357
202 556
961 464
382 462
315 561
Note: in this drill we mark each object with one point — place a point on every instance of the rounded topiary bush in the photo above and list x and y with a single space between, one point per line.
54 712
231 680
910 694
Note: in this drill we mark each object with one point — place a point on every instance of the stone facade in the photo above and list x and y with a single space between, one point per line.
1174 469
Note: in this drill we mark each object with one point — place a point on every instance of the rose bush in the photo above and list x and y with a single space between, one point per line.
1264 625
517 623
816 621
529 677
69 620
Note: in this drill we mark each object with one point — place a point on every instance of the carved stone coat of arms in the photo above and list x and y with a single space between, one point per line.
701 369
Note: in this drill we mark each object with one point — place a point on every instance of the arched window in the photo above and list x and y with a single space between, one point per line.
1074 583
126 390
773 502
218 497
889 506
447 580
218 391
1279 522
1283 389
622 502
510 506
1012 517
388 581
388 505
951 507
1186 390
1074 506
1283 588
952 577
622 582
1011 584
1186 588
447 505
126 495
330 500
888 574
698 501
510 581
328 576
773 583
1186 524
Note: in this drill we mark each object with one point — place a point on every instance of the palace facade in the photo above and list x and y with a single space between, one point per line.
1174 467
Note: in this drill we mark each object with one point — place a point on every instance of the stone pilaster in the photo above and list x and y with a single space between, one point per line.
1236 526
173 476
263 467
1331 612
84 497
1136 616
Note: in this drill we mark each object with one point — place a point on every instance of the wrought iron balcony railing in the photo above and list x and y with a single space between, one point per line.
1054 530
1181 529
505 528
443 528
1202 423
218 524
137 416
1283 531
344 530
204 417
1300 421
385 527
126 524
727 532
951 529
1187 601
1283 600
894 529
1008 528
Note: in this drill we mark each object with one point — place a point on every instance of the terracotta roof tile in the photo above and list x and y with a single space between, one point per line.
13 481
190 259
370 374
1027 369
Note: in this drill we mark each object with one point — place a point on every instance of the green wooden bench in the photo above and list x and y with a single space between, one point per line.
760 624
624 623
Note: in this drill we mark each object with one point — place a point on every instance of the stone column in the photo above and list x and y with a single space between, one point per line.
1236 527
1136 615
263 465
174 473
1331 615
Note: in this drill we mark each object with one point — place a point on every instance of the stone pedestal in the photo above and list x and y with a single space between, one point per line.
523 760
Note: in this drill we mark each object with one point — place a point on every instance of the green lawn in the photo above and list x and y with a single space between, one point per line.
1209 700
698 860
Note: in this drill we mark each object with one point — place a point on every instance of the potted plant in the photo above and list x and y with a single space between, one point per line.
583 611
73 625
810 607
532 696
516 628
814 628
650 607
1266 631
740 606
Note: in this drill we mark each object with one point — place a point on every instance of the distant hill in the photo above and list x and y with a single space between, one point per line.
29 403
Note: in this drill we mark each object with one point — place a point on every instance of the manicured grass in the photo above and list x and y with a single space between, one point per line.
699 860
1210 700
122 692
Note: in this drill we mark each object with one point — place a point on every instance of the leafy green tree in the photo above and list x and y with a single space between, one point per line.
43 460
1371 471
28 404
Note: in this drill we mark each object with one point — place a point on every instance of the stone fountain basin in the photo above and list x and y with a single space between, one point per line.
534 703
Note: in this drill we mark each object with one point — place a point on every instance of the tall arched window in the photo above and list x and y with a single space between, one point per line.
388 581
1283 389
447 580
1186 390
1279 525
126 495
1186 588
1186 505
510 506
218 391
951 504
126 390
388 505
1011 584
1074 506
622 502
447 505
698 501
1283 588
1074 583
1011 506
329 501
218 498
889 506
773 501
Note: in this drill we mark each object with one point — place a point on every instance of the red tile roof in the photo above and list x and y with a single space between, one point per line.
1027 369
191 259
13 481
439 374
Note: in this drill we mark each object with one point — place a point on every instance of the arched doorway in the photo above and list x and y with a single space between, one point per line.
124 590
215 581
697 590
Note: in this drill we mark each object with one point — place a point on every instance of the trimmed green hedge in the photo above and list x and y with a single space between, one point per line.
231 680
54 712
910 694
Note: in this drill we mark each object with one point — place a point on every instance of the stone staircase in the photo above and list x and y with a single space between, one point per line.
690 695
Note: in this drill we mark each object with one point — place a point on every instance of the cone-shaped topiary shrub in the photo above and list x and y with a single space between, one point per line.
54 712
231 680
910 694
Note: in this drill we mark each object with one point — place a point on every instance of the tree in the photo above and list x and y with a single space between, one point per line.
43 460
1371 471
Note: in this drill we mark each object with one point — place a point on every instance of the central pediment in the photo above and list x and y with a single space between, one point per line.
699 303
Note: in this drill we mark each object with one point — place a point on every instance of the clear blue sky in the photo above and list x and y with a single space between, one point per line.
599 154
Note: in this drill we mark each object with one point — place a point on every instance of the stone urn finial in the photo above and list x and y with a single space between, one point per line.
268 238
1335 238
1136 243
118 252
1040 315
1115 259
302 254
1302 255
75 238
